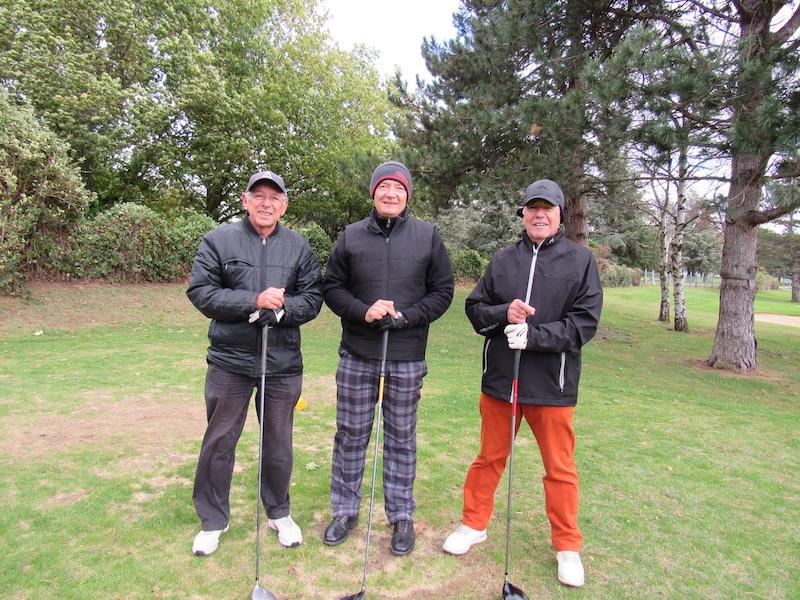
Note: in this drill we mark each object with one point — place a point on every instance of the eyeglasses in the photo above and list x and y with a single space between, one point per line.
271 198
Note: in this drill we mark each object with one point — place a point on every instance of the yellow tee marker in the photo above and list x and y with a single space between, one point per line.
301 404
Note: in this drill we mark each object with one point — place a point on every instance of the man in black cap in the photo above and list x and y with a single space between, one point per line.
388 271
541 297
245 275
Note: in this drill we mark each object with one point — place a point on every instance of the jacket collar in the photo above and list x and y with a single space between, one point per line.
248 227
372 223
546 243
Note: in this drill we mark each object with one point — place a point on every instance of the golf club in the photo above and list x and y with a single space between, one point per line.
510 591
378 410
260 593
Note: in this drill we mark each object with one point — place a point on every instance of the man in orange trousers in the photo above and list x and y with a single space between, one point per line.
540 297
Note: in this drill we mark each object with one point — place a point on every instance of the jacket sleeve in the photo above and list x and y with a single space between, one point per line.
306 300
580 322
336 285
487 313
208 295
439 286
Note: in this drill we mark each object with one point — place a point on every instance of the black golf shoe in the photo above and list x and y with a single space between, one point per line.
403 538
336 532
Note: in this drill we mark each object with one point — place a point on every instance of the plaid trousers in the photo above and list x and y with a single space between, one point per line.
356 397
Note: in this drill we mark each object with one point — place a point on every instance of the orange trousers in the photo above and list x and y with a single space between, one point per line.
552 427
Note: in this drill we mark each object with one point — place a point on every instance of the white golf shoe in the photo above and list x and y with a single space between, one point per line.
570 568
206 542
289 533
462 539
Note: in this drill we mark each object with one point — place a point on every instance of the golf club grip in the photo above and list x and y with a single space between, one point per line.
264 335
384 349
515 382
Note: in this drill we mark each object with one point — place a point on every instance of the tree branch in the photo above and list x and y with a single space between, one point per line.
672 23
788 29
712 11
759 217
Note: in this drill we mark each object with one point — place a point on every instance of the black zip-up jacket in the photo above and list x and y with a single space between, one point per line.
408 265
568 297
233 265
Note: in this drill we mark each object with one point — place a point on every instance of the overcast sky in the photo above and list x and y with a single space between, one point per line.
395 29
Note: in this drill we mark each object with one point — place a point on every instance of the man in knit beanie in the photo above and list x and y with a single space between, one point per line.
387 271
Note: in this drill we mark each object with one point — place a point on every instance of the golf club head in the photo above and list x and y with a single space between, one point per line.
260 593
512 592
358 596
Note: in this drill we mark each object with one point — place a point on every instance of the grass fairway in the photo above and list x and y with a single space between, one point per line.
690 477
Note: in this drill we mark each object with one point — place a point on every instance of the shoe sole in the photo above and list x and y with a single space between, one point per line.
201 553
479 541
572 585
346 535
292 545
396 553
327 543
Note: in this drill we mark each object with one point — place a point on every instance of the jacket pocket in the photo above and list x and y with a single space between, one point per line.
238 273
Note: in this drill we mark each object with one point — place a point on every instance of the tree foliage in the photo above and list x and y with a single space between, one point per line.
508 102
41 194
174 105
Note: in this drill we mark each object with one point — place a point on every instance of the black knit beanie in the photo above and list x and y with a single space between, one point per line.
393 170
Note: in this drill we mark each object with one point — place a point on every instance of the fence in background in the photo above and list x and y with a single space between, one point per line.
690 279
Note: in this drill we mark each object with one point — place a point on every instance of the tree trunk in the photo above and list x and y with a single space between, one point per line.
796 286
676 246
663 267
577 219
734 343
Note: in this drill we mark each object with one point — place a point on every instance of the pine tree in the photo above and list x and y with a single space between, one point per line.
508 103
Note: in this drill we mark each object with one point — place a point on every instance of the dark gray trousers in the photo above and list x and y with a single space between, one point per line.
227 397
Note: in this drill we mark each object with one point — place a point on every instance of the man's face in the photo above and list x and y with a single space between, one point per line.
541 219
265 205
390 198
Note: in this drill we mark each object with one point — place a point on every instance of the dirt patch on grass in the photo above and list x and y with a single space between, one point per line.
320 389
759 374
150 423
64 499
778 319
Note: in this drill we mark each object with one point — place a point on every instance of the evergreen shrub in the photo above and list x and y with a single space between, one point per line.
320 242
130 242
765 281
467 265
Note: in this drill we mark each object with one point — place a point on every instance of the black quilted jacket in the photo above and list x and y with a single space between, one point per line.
233 265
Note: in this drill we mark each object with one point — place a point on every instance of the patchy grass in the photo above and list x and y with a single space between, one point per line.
689 475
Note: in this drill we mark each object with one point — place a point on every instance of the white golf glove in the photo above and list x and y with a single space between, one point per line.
517 334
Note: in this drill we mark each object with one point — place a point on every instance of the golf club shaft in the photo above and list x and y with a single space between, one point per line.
378 411
264 334
514 391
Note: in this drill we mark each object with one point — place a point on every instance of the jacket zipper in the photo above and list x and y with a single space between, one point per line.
530 275
486 355
562 369
527 297
386 266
